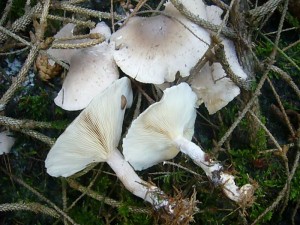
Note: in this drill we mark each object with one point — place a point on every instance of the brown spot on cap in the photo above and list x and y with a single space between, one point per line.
123 102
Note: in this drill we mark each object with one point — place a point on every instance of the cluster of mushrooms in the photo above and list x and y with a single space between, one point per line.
150 50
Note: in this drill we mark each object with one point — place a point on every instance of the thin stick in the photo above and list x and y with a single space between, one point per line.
73 184
16 52
19 124
112 19
38 136
32 206
282 53
20 77
266 130
43 21
22 22
221 4
149 99
224 21
5 12
282 193
14 36
181 167
287 78
288 123
291 45
78 45
21 182
72 8
245 110
88 23
295 210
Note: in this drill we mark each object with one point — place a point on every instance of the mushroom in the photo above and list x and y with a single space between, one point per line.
91 71
164 129
212 88
94 136
6 142
153 49
211 84
64 54
67 32
214 16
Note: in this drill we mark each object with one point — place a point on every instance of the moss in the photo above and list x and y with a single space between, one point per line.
245 161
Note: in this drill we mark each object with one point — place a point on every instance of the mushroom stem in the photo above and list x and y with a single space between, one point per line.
134 183
214 171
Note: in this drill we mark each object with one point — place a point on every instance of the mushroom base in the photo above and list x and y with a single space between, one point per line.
134 183
176 209
214 171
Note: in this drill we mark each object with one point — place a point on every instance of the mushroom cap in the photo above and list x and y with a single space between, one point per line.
94 134
195 7
67 32
103 29
213 89
64 54
6 142
91 71
233 61
211 84
154 49
150 138
214 16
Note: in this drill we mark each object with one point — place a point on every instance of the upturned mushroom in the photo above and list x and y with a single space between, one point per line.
94 136
164 129
166 45
6 142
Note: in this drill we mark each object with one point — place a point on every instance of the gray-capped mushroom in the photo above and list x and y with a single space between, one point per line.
66 32
153 49
91 71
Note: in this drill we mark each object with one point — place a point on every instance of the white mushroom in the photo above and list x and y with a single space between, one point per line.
150 139
94 136
214 16
67 32
166 128
211 84
63 54
195 7
91 71
103 29
154 49
213 89
6 142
